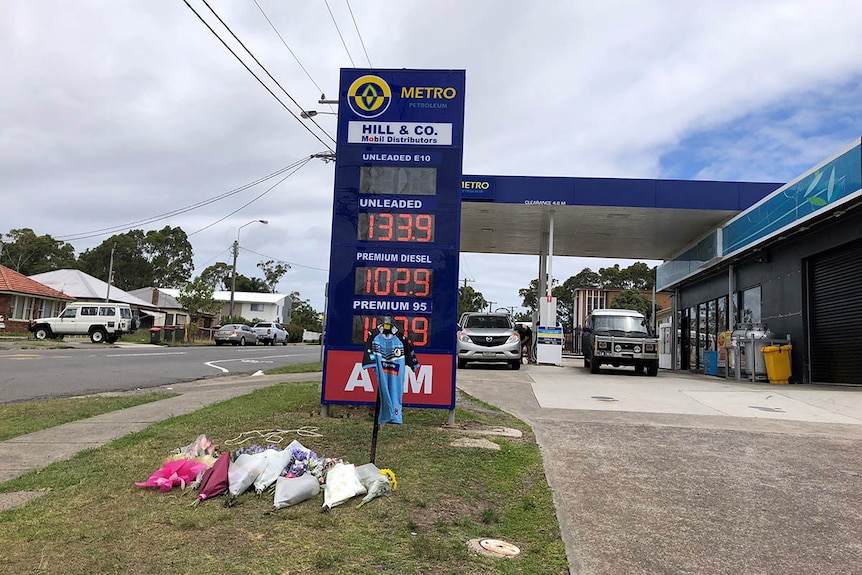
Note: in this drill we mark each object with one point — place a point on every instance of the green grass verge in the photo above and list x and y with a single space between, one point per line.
93 519
18 419
298 368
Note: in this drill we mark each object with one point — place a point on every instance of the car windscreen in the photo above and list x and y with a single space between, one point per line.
620 323
487 322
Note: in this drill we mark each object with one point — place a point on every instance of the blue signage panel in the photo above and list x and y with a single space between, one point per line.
396 223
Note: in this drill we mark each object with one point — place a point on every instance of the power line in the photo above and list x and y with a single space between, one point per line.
343 43
349 9
166 215
283 41
235 55
287 262
301 165
271 77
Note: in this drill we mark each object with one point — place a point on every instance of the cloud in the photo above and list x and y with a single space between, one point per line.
119 111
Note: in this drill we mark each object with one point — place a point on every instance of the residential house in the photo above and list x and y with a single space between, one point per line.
23 299
170 312
84 287
250 305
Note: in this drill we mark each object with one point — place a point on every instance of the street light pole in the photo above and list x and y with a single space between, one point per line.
233 271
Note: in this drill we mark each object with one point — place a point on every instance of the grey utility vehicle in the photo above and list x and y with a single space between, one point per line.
488 337
619 337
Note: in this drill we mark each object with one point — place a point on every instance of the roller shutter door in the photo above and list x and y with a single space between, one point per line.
835 315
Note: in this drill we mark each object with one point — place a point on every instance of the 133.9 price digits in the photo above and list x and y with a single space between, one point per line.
391 227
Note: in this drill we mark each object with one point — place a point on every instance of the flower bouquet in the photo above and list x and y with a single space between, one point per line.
248 465
177 472
380 485
214 480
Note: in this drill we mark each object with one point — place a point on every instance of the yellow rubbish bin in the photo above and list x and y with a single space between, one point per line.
777 360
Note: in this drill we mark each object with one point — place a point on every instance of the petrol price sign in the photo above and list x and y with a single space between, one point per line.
396 229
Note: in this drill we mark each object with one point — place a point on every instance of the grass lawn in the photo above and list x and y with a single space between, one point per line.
93 519
18 419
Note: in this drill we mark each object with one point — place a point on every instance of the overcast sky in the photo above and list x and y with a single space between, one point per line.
115 112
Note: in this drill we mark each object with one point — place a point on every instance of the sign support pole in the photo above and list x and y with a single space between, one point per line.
376 428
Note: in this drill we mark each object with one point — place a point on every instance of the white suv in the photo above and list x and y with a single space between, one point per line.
101 321
488 337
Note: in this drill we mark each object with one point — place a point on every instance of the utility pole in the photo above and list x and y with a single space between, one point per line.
110 275
233 277
466 280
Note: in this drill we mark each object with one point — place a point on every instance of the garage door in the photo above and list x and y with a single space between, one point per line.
835 315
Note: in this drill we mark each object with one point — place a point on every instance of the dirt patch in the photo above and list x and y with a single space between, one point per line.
18 498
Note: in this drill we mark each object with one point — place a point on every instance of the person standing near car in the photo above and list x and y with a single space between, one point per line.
526 333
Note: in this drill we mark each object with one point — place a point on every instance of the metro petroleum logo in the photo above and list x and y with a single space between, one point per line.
369 96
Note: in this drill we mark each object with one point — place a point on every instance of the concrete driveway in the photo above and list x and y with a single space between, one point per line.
683 473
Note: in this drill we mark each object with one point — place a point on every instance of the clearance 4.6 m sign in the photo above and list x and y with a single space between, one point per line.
395 229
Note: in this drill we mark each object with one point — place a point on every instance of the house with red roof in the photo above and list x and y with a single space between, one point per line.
23 299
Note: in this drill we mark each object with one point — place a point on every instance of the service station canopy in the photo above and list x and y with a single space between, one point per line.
597 217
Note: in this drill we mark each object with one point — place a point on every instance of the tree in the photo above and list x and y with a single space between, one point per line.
217 276
586 278
253 285
303 315
170 255
196 297
273 272
29 254
158 258
470 300
131 269
634 300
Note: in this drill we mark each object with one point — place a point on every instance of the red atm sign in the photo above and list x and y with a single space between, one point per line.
347 382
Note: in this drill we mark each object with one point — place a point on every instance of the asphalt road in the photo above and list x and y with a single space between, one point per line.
27 374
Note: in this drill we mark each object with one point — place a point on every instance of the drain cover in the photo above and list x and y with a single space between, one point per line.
499 547
602 398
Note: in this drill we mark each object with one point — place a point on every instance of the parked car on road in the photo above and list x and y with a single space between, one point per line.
235 334
101 321
270 332
488 337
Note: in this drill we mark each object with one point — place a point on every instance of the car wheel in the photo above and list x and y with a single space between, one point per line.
594 365
43 333
652 369
284 341
515 364
462 363
242 341
98 335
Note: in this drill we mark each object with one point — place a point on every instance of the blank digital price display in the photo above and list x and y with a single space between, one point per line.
394 227
393 282
414 327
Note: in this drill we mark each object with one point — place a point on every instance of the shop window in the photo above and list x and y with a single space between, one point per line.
749 311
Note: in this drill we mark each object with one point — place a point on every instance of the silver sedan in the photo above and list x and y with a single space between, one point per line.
235 334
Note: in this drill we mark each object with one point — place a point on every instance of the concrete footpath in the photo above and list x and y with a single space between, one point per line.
683 473
672 474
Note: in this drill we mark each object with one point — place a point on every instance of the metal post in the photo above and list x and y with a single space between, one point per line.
376 428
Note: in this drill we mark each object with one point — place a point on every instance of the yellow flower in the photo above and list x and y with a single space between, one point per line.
391 477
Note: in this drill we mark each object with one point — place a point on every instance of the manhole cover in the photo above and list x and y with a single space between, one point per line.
602 398
499 547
